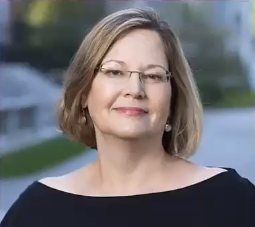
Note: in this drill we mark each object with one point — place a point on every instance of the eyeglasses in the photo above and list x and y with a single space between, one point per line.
152 76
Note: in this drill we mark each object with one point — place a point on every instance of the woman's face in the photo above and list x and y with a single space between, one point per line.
132 105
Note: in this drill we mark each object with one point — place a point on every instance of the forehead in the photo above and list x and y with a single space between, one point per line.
138 49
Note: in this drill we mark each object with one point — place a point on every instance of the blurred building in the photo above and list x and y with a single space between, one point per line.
4 22
27 98
27 103
238 18
9 11
253 19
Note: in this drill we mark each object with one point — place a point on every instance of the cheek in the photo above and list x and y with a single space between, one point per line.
161 105
102 96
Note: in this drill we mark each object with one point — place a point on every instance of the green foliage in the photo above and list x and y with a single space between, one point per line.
38 157
237 98
210 91
215 70
48 33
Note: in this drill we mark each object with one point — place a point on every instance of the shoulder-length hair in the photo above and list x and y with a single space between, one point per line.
185 108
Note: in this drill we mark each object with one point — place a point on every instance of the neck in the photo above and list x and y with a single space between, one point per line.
123 163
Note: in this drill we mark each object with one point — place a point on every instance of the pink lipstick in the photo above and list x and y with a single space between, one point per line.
131 111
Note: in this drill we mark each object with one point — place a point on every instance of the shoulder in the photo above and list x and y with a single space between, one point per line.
58 183
236 191
242 187
225 183
229 192
39 198
75 183
20 211
230 180
36 203
244 194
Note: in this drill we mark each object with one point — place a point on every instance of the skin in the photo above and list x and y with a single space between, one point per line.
134 51
131 159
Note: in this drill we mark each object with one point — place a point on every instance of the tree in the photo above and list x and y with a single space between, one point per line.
47 33
214 68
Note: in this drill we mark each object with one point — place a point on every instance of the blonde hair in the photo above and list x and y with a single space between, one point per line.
186 109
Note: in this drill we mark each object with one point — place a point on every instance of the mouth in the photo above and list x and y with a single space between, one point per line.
131 111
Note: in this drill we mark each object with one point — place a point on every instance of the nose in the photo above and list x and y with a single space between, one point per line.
134 86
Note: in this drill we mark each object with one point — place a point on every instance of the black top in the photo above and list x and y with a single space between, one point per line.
224 200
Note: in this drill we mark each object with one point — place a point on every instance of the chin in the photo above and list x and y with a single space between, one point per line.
131 134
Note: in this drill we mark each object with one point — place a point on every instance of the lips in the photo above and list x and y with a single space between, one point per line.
131 111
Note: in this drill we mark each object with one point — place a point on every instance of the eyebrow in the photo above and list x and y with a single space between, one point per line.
112 60
149 66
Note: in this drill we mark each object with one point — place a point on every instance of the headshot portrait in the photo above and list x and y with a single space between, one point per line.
130 94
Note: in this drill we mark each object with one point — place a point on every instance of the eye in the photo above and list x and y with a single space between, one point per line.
153 77
113 72
116 72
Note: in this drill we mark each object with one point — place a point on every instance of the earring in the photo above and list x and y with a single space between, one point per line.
168 127
84 115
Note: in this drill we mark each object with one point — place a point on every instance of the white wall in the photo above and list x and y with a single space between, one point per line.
40 94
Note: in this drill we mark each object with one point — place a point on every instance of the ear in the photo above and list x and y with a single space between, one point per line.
84 101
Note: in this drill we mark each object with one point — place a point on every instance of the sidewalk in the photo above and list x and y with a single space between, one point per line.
11 188
228 141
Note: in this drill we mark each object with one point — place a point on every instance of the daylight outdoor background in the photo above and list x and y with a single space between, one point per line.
38 40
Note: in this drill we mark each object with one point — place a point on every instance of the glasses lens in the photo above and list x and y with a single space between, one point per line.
117 74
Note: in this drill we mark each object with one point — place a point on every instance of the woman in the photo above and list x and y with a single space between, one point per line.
130 95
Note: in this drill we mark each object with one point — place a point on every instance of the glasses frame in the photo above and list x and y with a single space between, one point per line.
168 73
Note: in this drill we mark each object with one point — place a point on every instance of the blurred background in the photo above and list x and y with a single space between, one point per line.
38 40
